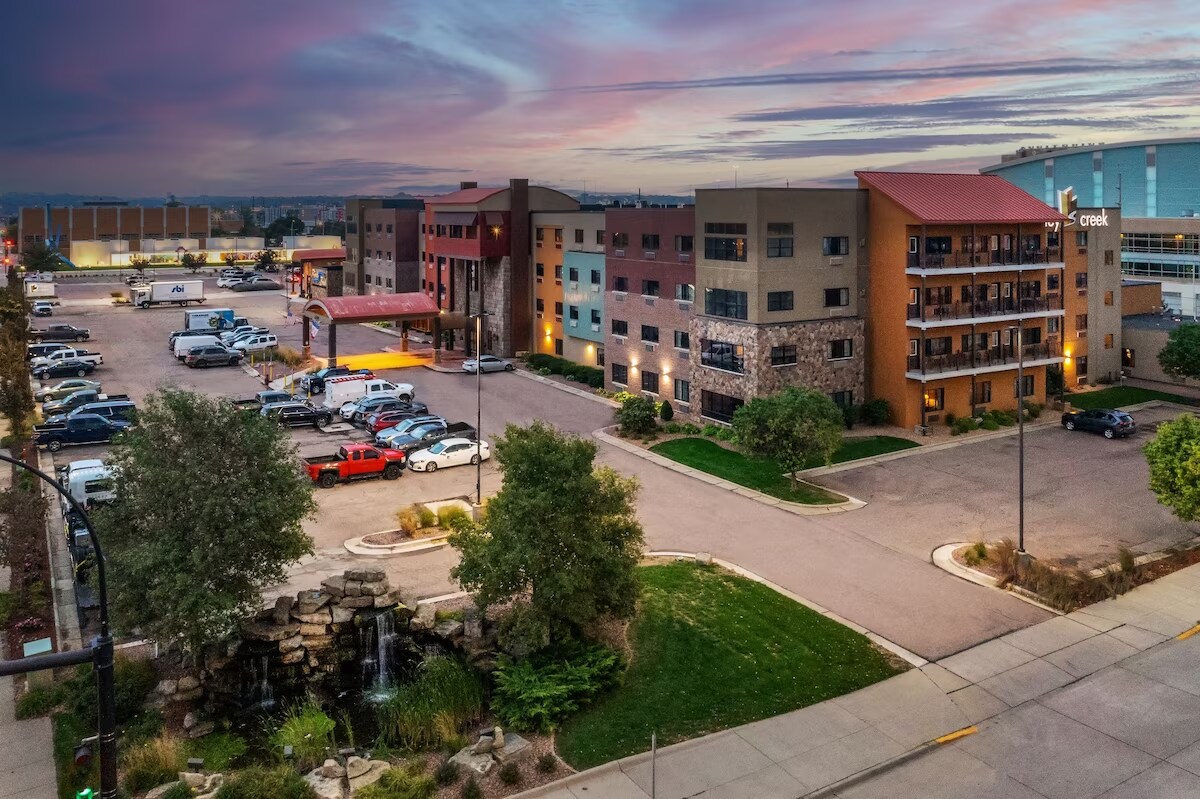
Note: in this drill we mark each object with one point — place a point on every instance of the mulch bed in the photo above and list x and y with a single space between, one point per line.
29 560
400 537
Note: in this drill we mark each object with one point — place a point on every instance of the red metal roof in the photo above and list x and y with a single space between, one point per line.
374 307
465 196
951 199
316 255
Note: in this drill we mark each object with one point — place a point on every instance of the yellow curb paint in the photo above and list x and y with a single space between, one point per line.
1186 634
954 736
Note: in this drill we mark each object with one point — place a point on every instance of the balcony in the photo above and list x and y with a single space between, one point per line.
997 310
993 359
987 260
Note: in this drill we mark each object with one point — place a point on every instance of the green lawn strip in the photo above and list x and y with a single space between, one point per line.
853 449
1122 396
712 651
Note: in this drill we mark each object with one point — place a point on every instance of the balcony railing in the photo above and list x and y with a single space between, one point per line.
986 258
1006 306
977 359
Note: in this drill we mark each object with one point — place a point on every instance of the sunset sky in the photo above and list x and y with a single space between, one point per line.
133 97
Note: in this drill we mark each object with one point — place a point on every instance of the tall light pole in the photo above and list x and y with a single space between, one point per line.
99 654
1020 444
478 317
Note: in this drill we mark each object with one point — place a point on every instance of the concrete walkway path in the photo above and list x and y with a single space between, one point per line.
1103 702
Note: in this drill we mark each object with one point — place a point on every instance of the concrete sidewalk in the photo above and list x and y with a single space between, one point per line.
1100 702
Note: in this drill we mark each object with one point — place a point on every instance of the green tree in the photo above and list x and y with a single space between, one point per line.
39 257
266 259
284 226
561 533
1180 356
16 393
792 427
230 258
139 264
637 416
1174 458
189 262
192 538
199 262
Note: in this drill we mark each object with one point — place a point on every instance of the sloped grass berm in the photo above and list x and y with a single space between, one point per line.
710 651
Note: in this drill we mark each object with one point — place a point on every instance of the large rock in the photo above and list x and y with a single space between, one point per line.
371 777
270 632
194 780
188 683
326 787
342 615
295 656
483 746
201 729
374 589
311 601
515 748
160 791
313 629
479 764
448 629
366 574
353 588
288 644
424 620
473 624
357 766
282 610
167 687
188 696
322 616
387 600
312 642
333 770
357 601
335 586
189 721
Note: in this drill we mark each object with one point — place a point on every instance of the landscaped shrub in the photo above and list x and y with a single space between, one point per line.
408 520
134 680
432 708
281 782
39 700
989 423
636 416
146 725
401 783
621 396
726 434
596 379
538 693
1001 418
428 517
666 412
962 425
876 411
219 750
510 774
470 790
309 731
523 631
1033 410
449 515
950 419
850 415
151 764
711 430
179 790
544 372
689 429
547 763
446 773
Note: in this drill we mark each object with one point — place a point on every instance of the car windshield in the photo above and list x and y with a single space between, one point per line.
438 448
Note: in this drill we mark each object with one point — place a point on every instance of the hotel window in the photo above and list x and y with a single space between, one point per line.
841 348
650 334
1108 341
573 274
1128 361
650 381
650 241
1081 239
682 340
1026 389
1081 280
1108 257
1081 366
620 283
779 240
683 391
595 316
983 393
620 374
784 355
456 231
649 288
837 297
723 355
573 313
558 346
600 355
558 273
422 228
541 270
720 407
728 245
540 305
596 277
1052 325
600 237
579 235
558 235
1108 298
842 399
726 303
389 255
1081 322
620 327
540 234
620 239
389 228
1052 281
684 244
779 300
558 309
835 245
685 292
935 399
388 283
472 231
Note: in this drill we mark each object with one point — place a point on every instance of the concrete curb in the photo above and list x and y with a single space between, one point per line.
791 507
942 557
356 546
67 632
569 389
912 658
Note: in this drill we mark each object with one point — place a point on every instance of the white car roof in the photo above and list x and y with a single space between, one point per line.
446 442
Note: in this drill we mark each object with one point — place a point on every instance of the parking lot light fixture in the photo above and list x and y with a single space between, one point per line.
478 317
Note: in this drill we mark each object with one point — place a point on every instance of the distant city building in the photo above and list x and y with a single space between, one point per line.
99 233
382 245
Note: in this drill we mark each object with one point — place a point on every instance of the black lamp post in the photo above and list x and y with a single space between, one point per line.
478 317
100 653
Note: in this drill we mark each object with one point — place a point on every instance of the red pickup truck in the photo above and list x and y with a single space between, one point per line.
355 462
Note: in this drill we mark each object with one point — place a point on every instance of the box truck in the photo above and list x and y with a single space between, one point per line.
40 290
178 292
209 319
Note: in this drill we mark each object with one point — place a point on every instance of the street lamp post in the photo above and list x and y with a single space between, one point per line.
100 653
1020 445
478 317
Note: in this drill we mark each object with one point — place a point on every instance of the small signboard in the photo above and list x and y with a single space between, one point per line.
39 647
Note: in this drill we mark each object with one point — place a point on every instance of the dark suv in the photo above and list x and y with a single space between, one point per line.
1106 421
297 414
212 355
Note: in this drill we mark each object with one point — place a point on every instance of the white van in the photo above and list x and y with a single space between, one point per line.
185 343
350 388
92 486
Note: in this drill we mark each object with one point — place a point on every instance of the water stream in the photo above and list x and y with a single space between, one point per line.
377 642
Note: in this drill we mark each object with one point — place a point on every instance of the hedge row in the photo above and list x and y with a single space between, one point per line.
554 365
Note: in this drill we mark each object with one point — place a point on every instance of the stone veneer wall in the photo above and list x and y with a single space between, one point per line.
813 368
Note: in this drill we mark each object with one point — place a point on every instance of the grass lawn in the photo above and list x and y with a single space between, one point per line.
711 651
1120 396
766 475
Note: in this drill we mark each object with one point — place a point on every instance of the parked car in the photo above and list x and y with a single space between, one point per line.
429 434
228 336
355 462
449 452
199 331
262 399
258 283
68 354
381 420
297 414
1110 423
77 398
212 355
43 308
60 333
385 437
314 382
40 350
121 410
489 363
83 429
185 344
369 405
64 389
233 278
258 342
64 368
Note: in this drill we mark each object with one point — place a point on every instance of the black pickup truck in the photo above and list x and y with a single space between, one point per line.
60 333
74 400
85 428
263 398
427 435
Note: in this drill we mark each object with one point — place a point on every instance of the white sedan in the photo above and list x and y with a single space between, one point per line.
449 452
229 281
489 363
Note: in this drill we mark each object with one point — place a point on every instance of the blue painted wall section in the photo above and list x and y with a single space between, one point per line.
585 294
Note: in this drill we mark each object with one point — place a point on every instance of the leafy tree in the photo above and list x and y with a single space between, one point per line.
792 427
284 226
40 257
637 416
191 540
199 262
266 259
230 258
139 264
189 262
16 393
1174 458
1180 356
561 534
